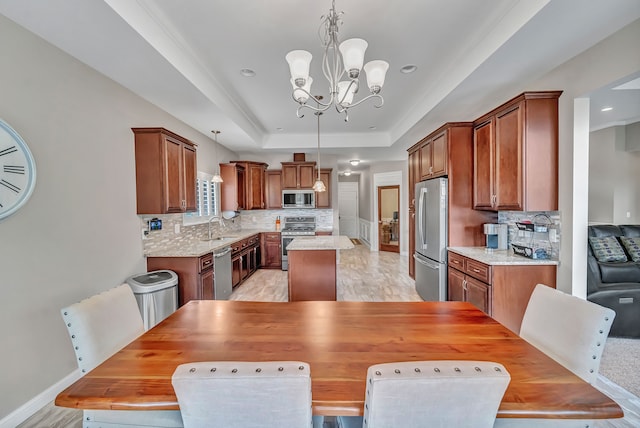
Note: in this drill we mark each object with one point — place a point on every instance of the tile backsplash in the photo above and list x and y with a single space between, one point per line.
173 230
266 219
548 241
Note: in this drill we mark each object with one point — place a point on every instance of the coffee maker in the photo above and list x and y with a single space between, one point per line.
496 235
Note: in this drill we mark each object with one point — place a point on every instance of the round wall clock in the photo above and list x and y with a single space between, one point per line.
17 171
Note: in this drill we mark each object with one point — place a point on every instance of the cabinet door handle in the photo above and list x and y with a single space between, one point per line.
464 284
476 270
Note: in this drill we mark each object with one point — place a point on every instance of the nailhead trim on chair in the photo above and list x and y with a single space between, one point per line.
437 370
259 370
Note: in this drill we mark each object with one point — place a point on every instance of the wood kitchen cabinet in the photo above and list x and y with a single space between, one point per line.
433 156
414 175
271 250
298 175
273 189
501 291
243 186
451 155
515 149
412 242
245 258
323 199
195 275
165 172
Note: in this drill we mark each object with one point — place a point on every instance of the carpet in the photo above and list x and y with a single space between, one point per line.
621 363
355 241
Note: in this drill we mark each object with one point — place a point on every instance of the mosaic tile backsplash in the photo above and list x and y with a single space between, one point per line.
548 241
258 219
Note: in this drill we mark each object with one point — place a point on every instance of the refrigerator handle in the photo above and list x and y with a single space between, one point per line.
429 264
421 219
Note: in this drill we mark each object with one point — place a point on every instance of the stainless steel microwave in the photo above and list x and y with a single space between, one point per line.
298 198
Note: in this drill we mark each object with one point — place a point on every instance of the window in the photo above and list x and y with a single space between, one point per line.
206 200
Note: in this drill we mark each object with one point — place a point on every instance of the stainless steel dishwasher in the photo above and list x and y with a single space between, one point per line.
222 273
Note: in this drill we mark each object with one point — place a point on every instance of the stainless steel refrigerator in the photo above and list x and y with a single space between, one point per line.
431 239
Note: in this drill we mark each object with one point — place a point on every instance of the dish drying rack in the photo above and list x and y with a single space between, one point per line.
533 239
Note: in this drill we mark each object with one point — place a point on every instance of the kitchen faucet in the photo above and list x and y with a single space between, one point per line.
220 222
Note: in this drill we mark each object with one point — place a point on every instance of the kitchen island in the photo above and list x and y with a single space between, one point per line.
312 266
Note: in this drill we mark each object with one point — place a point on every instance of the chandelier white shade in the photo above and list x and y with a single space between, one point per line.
340 60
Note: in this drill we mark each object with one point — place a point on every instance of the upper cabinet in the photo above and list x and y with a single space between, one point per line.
323 199
515 149
243 186
273 189
433 157
165 172
298 175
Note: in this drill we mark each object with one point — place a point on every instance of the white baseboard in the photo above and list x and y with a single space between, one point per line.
25 411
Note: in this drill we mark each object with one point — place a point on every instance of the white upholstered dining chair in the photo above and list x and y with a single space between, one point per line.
233 394
570 330
100 326
416 394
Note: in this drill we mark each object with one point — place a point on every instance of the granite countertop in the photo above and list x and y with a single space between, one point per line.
320 243
498 257
199 247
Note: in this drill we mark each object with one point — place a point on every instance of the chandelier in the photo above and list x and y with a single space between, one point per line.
335 65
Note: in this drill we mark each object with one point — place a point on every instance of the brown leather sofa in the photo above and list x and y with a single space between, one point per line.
616 285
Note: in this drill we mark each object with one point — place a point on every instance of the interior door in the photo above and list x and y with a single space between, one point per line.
348 208
388 219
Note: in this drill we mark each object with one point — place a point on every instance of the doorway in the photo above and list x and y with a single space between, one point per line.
348 208
388 219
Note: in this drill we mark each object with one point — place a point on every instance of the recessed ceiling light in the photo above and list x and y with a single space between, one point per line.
372 128
606 109
354 162
409 68
247 72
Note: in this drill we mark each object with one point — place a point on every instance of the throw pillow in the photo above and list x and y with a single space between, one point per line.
633 247
607 249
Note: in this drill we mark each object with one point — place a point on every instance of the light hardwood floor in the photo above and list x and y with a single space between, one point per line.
362 276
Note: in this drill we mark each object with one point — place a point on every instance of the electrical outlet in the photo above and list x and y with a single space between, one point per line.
176 228
553 236
144 232
628 214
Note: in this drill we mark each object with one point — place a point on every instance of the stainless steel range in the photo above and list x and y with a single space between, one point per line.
292 228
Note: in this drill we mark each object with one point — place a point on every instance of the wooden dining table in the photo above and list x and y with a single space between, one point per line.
339 340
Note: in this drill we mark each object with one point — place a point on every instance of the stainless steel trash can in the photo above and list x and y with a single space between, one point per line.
156 293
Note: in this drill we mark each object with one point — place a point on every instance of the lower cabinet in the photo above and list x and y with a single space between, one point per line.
195 275
245 259
501 291
271 250
464 288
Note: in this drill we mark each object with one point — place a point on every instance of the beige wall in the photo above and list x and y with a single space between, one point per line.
614 178
610 60
79 233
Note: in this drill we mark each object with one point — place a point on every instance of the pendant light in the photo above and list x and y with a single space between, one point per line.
216 177
319 186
